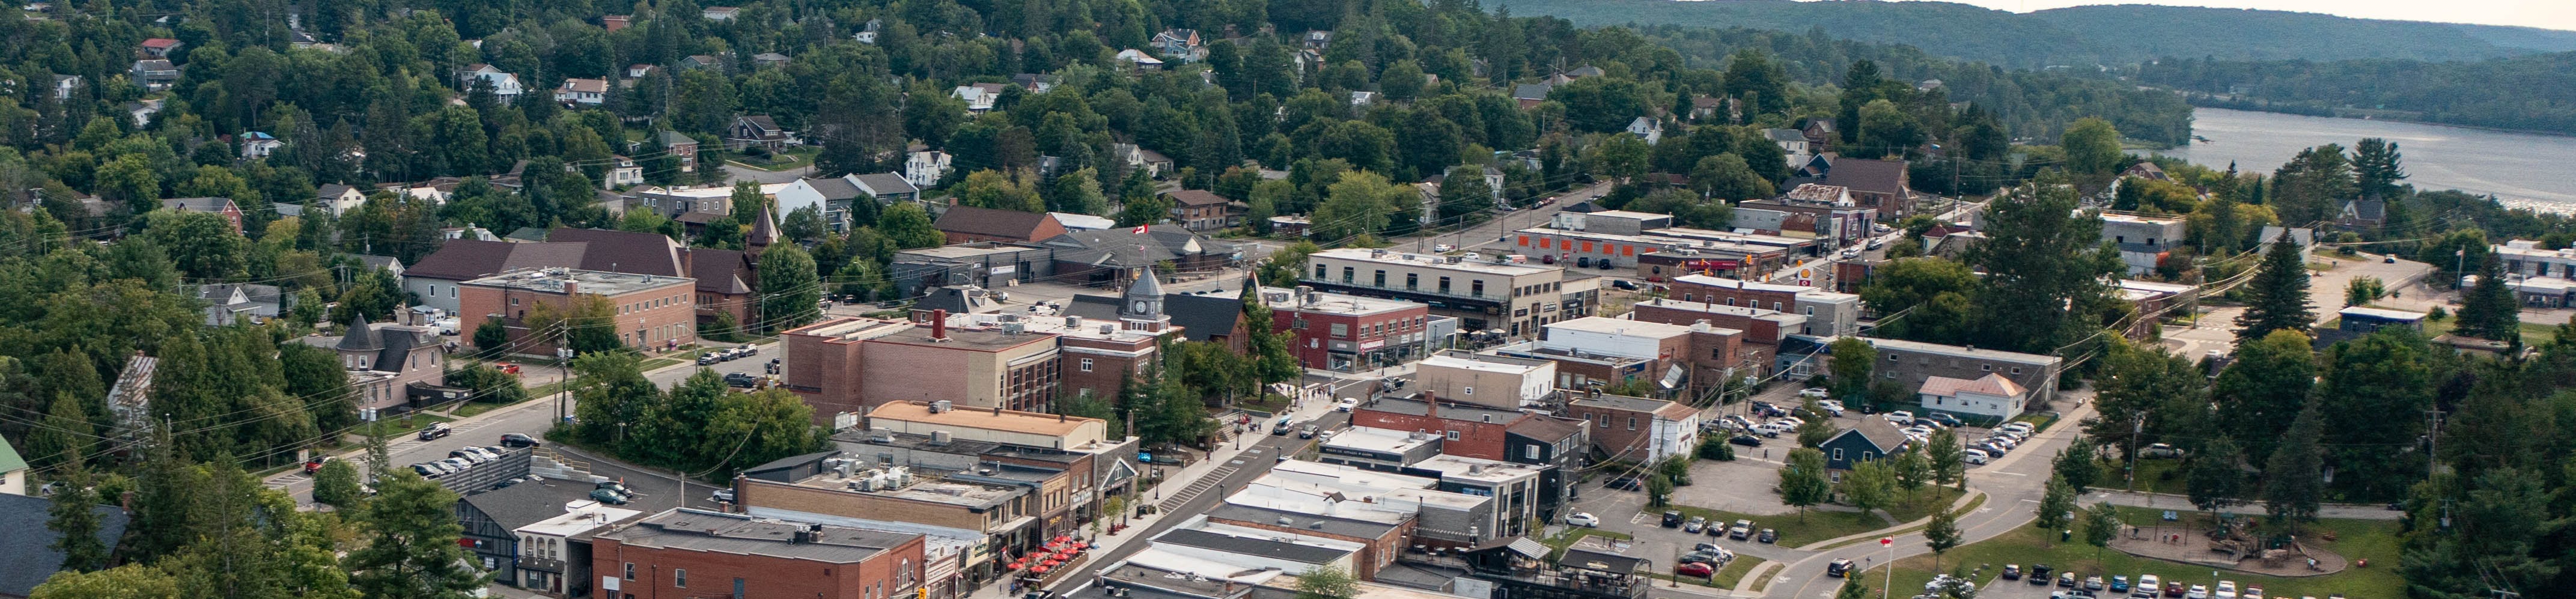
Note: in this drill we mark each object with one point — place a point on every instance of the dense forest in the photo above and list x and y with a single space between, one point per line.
2083 36
2531 93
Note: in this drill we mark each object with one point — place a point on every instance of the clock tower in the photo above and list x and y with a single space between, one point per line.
1142 307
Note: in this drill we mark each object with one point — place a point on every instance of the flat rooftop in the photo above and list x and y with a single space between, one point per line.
1052 324
1958 351
2114 217
928 489
552 280
580 517
848 328
965 251
1382 440
1727 283
716 532
1451 411
1623 328
1653 237
1621 402
984 419
1625 214
2382 313
1477 469
1483 363
1433 261
1253 546
1717 308
1341 304
990 340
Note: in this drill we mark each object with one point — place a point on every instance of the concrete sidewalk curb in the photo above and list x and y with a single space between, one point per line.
1963 501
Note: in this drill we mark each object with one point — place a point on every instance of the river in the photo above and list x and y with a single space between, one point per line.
2520 169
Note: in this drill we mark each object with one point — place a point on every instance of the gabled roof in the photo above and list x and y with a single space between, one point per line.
1531 91
1866 175
673 138
9 458
1991 384
721 271
763 123
197 204
834 188
1878 432
885 184
1197 197
1547 428
156 64
1204 316
161 43
1779 135
594 86
990 222
29 545
331 190
623 251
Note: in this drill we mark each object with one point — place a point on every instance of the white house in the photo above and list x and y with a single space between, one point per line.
979 97
505 86
622 174
830 197
923 168
593 92
1648 128
13 471
1990 396
1140 58
256 145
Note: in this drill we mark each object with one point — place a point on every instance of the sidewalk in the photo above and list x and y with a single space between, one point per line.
1174 484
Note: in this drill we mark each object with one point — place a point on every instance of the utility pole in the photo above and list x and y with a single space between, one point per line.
563 367
2137 426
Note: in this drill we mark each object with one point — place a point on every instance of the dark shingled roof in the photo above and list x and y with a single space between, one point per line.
1204 316
1197 197
462 259
1878 432
1577 557
834 188
623 251
1547 428
1861 174
529 502
27 556
988 222
361 337
1362 529
721 271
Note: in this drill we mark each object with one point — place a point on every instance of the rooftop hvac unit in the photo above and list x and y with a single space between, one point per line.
1072 323
940 406
881 434
1014 328
939 437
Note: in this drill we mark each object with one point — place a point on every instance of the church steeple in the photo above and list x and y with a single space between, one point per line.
1143 306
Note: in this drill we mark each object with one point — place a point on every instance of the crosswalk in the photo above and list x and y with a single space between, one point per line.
1213 478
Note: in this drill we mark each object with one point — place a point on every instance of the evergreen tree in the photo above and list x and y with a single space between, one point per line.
410 550
2044 270
65 435
75 519
2277 298
2267 385
2215 476
2488 310
2054 504
2293 481
2377 167
2373 381
1270 360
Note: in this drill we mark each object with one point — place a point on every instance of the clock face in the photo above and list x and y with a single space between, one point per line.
1140 306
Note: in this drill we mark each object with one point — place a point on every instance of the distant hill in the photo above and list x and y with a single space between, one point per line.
2078 36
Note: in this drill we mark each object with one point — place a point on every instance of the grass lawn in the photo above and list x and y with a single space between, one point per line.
1734 571
1818 525
2154 476
2533 333
475 408
2039 421
2373 540
804 156
1962 511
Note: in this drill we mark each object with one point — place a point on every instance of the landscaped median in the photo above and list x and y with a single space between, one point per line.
2372 540
1822 525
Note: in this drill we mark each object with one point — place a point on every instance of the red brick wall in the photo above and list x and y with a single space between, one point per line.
677 320
1475 439
711 574
1692 292
1610 427
1107 375
1756 330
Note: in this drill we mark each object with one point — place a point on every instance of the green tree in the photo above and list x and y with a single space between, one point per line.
1912 471
1815 432
75 520
2363 290
1930 297
761 426
2488 310
2054 504
2373 380
2294 479
2377 167
1753 78
66 434
1288 264
1853 588
1942 534
2092 147
1803 480
2044 270
2215 475
1266 351
130 581
1358 203
201 244
789 289
2101 524
1659 490
410 550
909 227
337 485
1871 485
1948 458
491 336
2277 298
992 189
1854 360
1728 177
1327 582
2268 384
2078 465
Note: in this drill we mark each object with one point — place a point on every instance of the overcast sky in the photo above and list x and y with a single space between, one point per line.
2551 14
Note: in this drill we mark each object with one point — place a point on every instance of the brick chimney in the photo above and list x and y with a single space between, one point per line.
571 287
1431 405
939 325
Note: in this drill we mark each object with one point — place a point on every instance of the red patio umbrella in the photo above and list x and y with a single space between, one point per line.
1012 565
1038 570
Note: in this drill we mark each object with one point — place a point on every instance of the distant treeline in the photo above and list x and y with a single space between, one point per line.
2531 93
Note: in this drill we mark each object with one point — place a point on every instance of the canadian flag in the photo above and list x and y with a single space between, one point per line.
1886 541
1140 229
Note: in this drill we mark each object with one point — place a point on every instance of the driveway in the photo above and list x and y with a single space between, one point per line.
736 174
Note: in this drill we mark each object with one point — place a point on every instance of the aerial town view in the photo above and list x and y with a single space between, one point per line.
1288 299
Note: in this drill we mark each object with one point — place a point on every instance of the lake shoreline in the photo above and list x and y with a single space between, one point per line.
2517 168
2333 113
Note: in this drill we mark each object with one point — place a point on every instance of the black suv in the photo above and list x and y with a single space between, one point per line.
741 379
1840 568
1672 519
436 431
519 440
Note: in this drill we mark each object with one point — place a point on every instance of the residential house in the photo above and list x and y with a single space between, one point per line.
1871 439
979 97
29 546
756 130
64 85
1647 128
2361 215
680 145
1708 107
1183 44
887 188
1637 428
228 303
1317 39
966 224
591 92
1493 180
388 364
622 172
2147 170
702 61
338 199
613 23
768 60
1793 142
13 470
686 553
1198 210
1139 59
1820 134
639 70
924 168
1034 82
867 33
719 13
1878 184
1363 98
256 145
1531 94
830 197
1991 398
160 47
1155 164
505 86
154 74
221 206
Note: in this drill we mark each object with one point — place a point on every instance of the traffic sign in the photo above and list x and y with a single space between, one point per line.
1886 541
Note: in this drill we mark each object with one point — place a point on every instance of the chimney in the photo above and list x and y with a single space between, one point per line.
1431 405
939 325
571 287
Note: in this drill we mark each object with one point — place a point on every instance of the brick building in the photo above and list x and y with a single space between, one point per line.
1348 333
1828 313
848 365
1512 297
1465 430
1487 380
648 311
1637 428
687 553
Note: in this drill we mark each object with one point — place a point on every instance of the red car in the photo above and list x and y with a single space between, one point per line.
315 464
2173 588
1694 569
507 367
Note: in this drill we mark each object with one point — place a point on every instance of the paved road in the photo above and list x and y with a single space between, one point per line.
734 174
1202 494
2012 486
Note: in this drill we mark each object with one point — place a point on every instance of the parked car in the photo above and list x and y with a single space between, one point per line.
1695 524
1973 456
1347 404
1815 392
2012 572
1623 284
708 358
2226 589
446 325
436 431
2159 451
1944 420
1583 519
1900 417
1746 440
1625 483
470 455
1308 432
315 464
1768 536
520 440
1694 569
741 379
2066 579
2196 592
2251 592
2039 574
2149 584
2093 583
722 496
2120 583
609 497
1672 519
773 366
2174 589
1742 530
2017 427
1841 568
455 465
426 470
